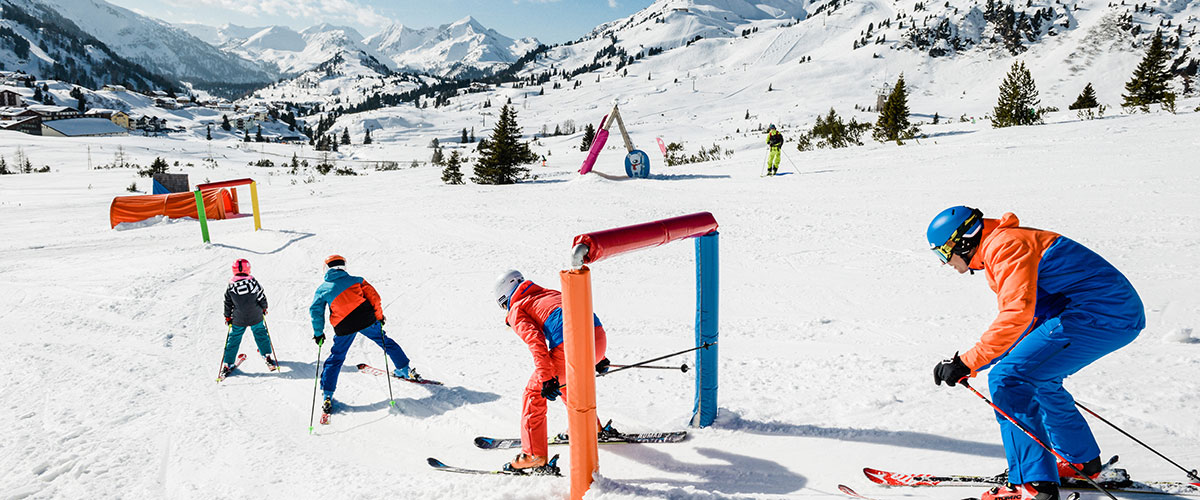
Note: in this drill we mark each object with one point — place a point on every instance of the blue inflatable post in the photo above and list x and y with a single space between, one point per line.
637 164
705 410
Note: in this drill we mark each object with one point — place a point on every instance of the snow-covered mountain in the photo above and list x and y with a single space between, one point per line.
36 39
219 35
157 45
288 52
459 49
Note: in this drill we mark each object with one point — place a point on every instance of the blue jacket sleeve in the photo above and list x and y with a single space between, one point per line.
317 310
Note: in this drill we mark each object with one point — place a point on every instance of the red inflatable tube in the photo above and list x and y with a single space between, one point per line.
224 184
611 242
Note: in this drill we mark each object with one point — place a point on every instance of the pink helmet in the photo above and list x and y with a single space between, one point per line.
241 266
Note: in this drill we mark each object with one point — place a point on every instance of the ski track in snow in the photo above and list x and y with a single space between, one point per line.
832 314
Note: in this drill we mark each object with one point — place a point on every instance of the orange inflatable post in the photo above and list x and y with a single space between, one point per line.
579 338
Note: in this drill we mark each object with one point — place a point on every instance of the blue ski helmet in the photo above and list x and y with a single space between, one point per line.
954 231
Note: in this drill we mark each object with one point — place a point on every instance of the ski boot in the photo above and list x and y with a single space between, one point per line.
1037 490
533 465
609 433
327 406
1091 469
407 372
226 368
272 364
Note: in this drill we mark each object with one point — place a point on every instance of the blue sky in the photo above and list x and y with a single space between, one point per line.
550 21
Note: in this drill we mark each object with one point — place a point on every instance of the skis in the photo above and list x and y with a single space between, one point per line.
1113 480
489 443
550 469
371 370
237 362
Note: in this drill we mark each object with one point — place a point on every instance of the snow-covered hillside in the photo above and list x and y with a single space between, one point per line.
460 49
158 46
37 40
833 312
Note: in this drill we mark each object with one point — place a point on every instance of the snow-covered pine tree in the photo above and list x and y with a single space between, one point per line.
452 173
367 136
503 155
225 123
1149 82
589 135
208 133
1018 101
246 136
1086 99
464 139
893 124
346 136
438 158
258 137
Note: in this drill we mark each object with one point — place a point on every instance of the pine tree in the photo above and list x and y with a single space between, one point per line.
503 155
1018 101
589 135
438 157
1086 99
208 133
346 136
258 137
452 174
893 124
246 137
225 123
333 143
367 137
464 136
3 167
37 94
1149 82
472 135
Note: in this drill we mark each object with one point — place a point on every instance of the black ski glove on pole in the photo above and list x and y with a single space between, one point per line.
602 366
550 389
319 339
950 371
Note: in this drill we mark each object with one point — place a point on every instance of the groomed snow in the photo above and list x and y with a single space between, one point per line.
833 313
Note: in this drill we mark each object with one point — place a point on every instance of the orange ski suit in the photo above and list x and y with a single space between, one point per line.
535 314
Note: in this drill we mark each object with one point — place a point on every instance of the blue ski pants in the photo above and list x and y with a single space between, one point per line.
341 344
234 341
1027 383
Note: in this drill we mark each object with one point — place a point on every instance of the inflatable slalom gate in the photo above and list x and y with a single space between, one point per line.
219 199
637 162
578 331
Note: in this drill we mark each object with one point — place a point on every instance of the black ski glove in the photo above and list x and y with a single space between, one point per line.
951 371
319 339
602 366
550 389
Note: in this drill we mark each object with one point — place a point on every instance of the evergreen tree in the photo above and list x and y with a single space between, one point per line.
1149 82
589 135
367 137
1018 101
452 174
225 123
438 157
333 143
472 135
37 94
346 136
465 139
246 136
503 155
893 124
3 167
80 99
258 137
1086 99
208 133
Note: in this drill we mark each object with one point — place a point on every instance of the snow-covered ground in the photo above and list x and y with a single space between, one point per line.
833 313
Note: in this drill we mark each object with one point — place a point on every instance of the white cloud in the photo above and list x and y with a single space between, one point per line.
612 4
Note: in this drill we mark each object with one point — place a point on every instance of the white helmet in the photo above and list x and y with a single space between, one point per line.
506 284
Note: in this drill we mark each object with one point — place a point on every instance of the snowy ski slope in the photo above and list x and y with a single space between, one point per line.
833 313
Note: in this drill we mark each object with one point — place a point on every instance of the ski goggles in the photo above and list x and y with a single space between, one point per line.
947 249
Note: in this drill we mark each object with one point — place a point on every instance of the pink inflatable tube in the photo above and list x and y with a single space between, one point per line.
597 146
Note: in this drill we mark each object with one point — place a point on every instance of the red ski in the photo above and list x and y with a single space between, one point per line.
368 369
237 362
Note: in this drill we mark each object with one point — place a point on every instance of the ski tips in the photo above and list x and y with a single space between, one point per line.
360 366
435 462
483 442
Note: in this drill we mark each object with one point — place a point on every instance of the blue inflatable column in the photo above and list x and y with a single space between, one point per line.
705 410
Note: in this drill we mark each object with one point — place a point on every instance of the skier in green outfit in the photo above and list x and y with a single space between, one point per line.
775 142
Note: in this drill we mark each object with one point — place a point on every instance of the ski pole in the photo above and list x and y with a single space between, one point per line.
1191 473
228 332
790 162
648 361
387 371
316 383
1036 440
684 368
271 343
